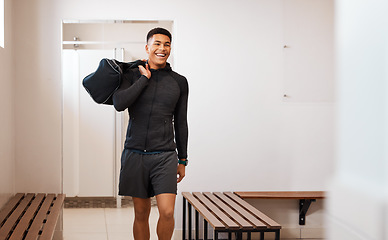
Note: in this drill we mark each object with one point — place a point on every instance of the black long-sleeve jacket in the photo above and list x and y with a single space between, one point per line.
156 106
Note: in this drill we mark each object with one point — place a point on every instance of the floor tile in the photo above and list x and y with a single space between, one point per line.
85 236
88 216
84 228
119 216
120 236
119 228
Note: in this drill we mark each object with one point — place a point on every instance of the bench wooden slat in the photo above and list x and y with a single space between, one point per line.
49 227
230 224
229 211
283 194
210 218
9 225
251 218
27 218
6 211
38 221
271 223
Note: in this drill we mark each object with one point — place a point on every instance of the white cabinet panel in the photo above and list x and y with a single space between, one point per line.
89 130
308 51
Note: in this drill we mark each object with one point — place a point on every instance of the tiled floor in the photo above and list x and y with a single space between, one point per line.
104 223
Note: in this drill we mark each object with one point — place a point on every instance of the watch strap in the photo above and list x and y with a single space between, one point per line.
183 162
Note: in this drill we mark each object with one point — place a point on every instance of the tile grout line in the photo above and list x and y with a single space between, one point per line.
106 225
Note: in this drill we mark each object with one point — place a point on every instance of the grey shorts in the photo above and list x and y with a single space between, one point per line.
147 175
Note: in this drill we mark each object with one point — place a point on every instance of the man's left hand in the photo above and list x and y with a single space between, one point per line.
181 172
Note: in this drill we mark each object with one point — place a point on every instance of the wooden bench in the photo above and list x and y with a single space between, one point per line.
305 199
30 216
225 212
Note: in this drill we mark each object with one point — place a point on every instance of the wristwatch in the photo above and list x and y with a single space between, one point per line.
185 162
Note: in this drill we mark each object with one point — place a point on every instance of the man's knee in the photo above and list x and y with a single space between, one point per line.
167 214
166 204
142 209
142 214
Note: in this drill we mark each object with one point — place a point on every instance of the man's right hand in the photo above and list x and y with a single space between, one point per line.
145 71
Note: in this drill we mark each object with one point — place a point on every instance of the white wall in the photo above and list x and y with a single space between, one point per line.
243 135
358 206
7 126
38 96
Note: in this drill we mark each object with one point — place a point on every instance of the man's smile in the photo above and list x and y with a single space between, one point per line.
161 54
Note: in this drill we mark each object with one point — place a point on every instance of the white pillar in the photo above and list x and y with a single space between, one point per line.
357 204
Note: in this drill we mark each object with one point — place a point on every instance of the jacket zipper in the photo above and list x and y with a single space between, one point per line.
152 106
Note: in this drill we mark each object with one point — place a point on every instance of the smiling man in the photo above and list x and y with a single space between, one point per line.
155 151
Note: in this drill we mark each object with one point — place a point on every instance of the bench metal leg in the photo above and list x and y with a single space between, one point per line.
229 235
261 235
215 235
239 235
190 221
249 235
184 220
205 229
304 205
196 225
277 235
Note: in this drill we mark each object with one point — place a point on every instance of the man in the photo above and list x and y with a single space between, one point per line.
156 99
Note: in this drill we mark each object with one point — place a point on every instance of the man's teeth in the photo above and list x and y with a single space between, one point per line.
160 55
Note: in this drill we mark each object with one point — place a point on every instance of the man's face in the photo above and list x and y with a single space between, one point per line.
158 49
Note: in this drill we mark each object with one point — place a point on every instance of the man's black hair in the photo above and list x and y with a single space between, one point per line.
158 30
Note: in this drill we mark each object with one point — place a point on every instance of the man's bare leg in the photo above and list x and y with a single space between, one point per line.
141 229
166 205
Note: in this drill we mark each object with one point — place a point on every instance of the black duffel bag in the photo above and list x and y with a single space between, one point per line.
102 83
